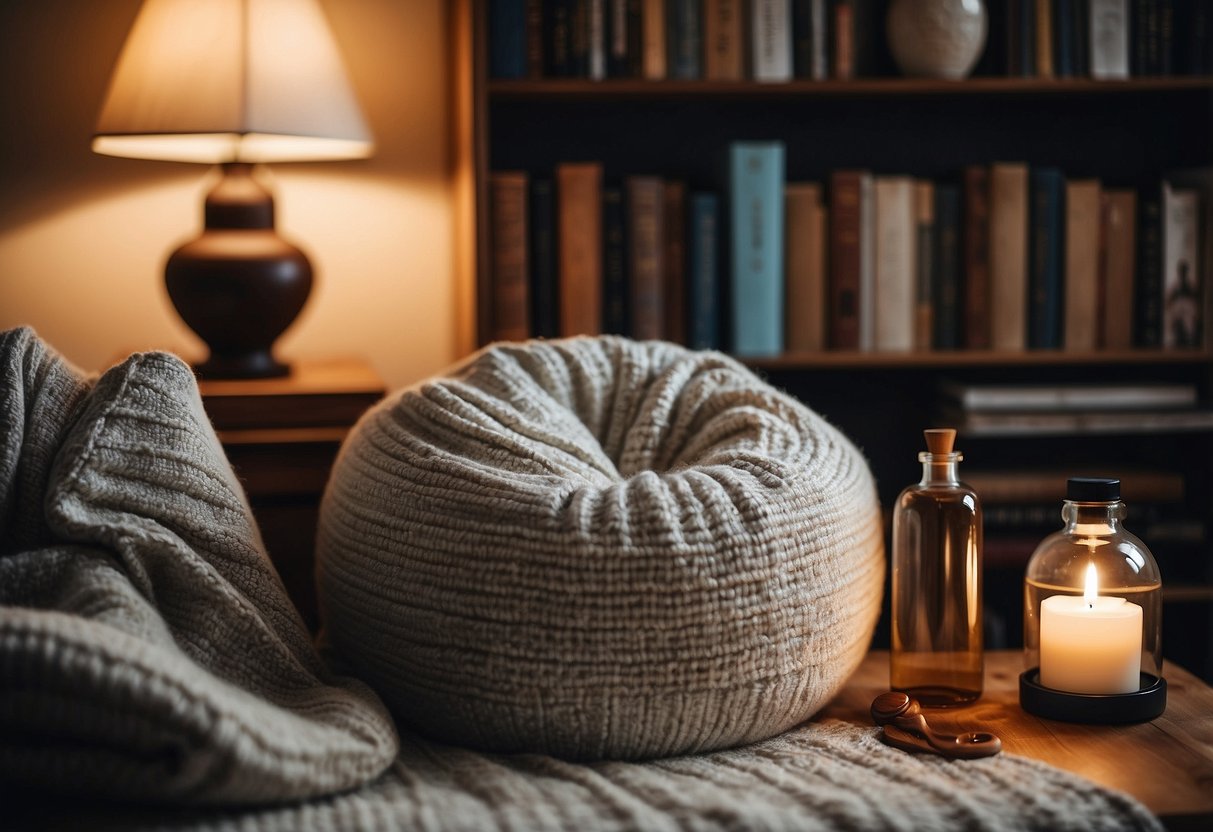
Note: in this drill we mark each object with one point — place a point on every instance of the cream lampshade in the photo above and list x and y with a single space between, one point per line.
234 83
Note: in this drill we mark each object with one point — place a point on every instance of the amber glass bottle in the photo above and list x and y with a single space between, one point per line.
937 646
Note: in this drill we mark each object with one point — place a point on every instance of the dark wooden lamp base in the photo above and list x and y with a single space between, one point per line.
239 285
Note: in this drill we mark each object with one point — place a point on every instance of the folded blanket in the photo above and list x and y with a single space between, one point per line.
147 648
149 655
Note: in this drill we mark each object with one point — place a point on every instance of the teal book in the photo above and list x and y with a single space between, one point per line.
756 176
1046 262
703 279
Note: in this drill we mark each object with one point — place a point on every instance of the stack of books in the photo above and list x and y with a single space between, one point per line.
1065 410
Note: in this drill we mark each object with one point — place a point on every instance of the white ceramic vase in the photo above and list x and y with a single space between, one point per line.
936 38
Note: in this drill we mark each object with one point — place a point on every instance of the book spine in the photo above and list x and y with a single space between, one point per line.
1109 25
1148 289
724 40
508 38
843 40
925 220
579 246
845 254
819 33
1008 255
1063 38
1166 37
646 250
545 305
1119 243
806 293
1183 303
1047 218
596 64
976 257
508 224
535 37
1081 284
1044 38
771 27
895 260
703 285
802 39
653 33
1081 12
615 295
684 39
636 50
579 38
867 264
756 177
618 64
675 262
558 38
947 335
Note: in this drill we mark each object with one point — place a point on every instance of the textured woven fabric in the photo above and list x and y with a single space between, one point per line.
819 777
147 648
148 655
600 549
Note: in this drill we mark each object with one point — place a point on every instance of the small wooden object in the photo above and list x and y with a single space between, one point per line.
940 440
905 727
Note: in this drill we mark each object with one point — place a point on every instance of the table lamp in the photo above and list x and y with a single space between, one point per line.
234 83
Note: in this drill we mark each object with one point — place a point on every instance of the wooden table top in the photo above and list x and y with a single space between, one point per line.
1167 764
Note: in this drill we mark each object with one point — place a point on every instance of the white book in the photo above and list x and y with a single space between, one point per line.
598 44
1062 397
896 259
771 28
1183 301
1082 422
1109 39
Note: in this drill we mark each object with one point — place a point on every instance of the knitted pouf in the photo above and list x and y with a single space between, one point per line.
599 549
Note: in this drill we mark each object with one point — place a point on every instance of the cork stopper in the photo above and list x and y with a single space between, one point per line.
939 440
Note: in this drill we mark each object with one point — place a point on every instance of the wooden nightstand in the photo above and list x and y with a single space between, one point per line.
281 436
1167 763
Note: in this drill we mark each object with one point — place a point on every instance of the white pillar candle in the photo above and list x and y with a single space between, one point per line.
1090 644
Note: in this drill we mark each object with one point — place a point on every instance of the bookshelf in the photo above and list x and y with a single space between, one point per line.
1126 133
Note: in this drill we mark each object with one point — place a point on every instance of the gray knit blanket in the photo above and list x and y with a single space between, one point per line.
153 673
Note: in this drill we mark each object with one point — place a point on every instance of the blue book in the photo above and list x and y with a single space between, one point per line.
684 39
1046 261
703 284
756 176
507 38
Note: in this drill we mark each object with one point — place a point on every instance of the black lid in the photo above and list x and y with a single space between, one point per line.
1092 489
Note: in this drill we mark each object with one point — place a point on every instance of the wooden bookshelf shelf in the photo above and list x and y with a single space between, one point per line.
1123 135
580 89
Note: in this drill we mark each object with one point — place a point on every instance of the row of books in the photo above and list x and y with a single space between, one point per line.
1007 258
784 40
1068 410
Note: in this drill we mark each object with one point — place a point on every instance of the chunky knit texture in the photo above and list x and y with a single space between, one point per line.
147 648
148 654
600 549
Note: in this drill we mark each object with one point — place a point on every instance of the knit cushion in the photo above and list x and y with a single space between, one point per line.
598 548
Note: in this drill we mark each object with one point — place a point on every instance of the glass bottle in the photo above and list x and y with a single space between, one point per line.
937 539
1094 548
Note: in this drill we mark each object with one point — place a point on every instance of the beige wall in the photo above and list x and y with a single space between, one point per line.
83 238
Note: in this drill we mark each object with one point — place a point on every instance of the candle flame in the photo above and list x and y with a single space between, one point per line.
1091 588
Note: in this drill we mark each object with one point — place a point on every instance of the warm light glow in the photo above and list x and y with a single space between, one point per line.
1090 589
231 81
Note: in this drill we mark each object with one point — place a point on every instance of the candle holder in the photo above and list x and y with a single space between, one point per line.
1093 616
